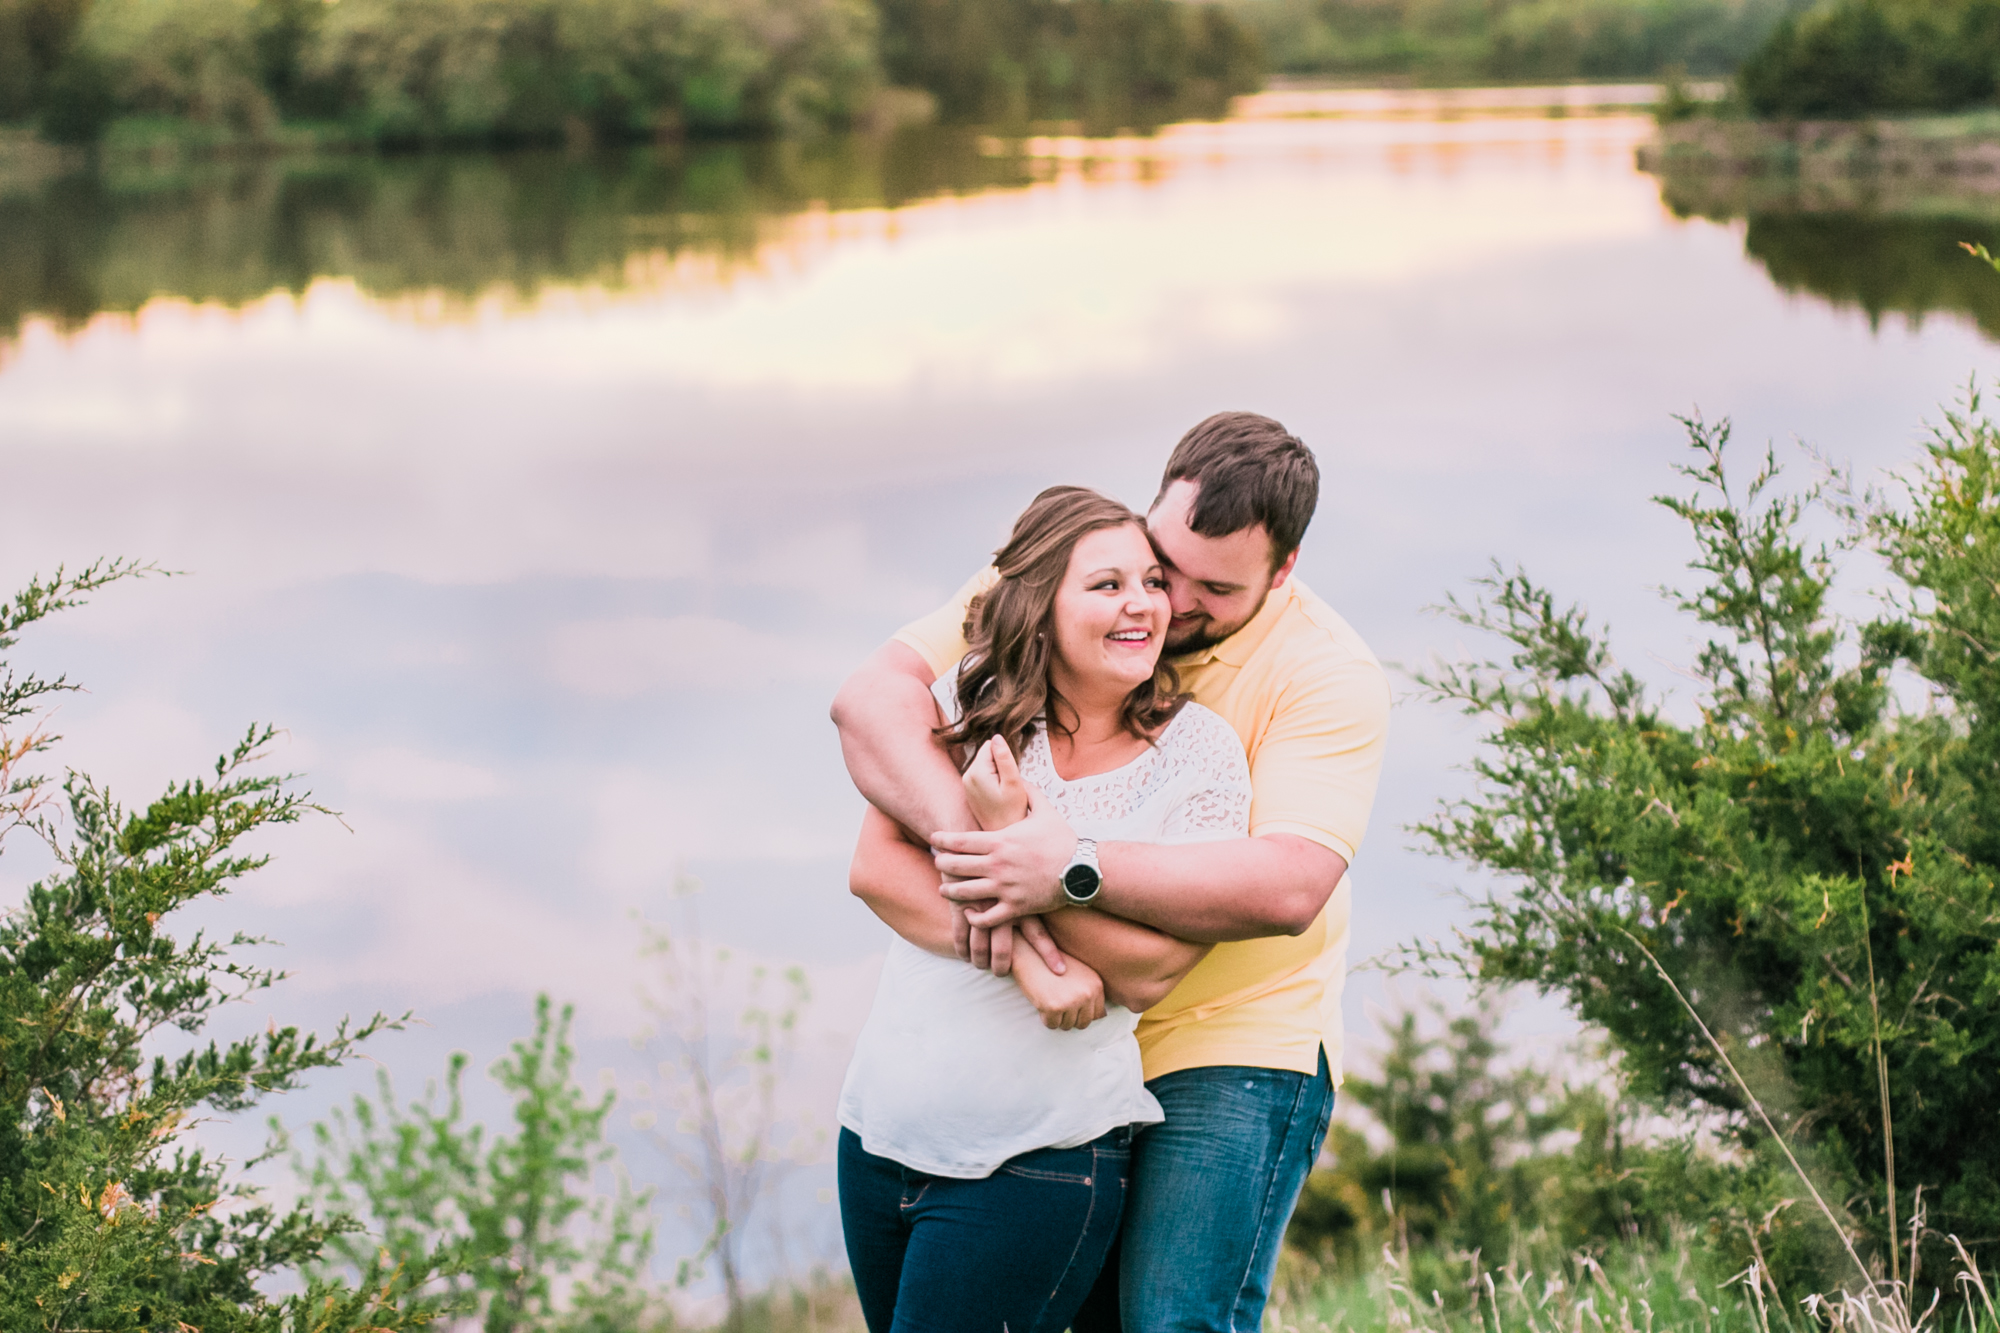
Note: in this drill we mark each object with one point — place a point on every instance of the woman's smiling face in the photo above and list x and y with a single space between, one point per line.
1111 614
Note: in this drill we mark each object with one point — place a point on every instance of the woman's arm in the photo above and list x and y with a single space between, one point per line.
1073 1000
1139 965
889 874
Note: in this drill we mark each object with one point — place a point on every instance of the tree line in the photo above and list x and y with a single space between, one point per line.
1464 40
411 72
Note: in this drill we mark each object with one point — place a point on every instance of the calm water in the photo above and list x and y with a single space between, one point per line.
544 501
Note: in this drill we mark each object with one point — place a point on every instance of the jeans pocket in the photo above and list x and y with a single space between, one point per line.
1068 1166
1036 1173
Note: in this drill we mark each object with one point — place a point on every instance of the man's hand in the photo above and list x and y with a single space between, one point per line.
1018 868
993 950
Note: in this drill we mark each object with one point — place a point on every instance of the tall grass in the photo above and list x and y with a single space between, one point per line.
1632 1288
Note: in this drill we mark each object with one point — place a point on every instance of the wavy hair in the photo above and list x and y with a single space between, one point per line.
1004 688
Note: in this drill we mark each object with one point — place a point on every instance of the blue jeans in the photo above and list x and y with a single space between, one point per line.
1015 1252
1212 1190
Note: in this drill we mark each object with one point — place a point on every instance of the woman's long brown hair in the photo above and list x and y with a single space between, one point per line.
1004 688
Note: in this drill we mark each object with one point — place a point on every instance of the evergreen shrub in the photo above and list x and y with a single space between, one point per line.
1813 863
111 1216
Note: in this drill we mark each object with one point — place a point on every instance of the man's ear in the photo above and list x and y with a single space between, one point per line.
1284 571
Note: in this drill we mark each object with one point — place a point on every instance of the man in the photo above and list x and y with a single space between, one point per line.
1244 1052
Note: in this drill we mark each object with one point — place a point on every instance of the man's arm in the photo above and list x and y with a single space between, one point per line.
1313 773
1239 889
885 713
898 882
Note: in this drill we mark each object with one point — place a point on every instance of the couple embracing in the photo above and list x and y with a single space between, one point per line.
1114 788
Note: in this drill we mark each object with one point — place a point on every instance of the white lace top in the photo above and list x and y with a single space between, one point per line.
954 1073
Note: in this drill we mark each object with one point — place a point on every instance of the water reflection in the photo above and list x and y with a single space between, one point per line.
456 225
458 228
1880 251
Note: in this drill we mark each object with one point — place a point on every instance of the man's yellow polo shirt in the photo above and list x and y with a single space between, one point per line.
1311 705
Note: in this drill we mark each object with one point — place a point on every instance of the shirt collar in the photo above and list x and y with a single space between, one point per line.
1239 647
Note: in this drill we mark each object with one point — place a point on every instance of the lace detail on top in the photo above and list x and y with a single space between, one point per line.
1191 785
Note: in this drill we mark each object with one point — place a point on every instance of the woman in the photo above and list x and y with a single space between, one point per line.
987 1121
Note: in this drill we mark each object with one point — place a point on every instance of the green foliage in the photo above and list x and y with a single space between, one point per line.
527 1247
542 70
1813 866
197 59
1854 58
1480 1157
110 1218
1524 39
1626 1288
1108 62
35 39
570 71
439 71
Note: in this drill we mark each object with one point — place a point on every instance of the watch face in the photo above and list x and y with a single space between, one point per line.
1080 880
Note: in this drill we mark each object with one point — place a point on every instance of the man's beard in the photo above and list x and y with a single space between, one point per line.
1206 636
1200 640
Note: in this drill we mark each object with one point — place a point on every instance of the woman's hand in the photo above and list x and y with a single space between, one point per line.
993 786
1070 1002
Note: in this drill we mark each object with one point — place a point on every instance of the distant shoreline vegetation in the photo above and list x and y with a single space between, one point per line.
422 73
1459 41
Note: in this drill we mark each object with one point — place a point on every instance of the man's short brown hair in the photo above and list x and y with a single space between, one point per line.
1247 470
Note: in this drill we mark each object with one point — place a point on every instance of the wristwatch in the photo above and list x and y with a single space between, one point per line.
1081 878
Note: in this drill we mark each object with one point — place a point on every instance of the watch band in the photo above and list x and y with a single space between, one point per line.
1082 877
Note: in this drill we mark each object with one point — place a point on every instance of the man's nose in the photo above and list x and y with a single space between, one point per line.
1180 595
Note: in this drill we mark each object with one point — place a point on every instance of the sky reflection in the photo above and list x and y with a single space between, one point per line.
550 584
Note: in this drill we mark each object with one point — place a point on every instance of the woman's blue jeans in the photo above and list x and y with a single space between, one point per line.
1015 1252
1212 1190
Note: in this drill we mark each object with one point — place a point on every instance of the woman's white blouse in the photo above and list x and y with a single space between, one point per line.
954 1073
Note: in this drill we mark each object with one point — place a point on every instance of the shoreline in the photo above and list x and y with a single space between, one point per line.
1915 156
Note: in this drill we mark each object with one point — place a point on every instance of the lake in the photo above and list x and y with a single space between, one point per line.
544 500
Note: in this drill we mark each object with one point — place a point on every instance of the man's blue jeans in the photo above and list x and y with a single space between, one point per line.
1212 1190
1013 1253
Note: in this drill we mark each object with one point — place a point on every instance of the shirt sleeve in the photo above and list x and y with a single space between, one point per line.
1316 768
939 638
1216 804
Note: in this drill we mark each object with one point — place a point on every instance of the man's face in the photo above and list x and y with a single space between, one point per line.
1214 584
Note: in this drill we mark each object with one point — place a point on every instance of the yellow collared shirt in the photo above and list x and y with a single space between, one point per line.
1311 705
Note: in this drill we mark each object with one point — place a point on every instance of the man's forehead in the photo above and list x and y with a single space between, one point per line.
1237 557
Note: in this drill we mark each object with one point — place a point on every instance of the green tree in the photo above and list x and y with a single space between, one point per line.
1109 62
530 1247
1810 865
1864 57
429 71
1484 1154
110 1216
